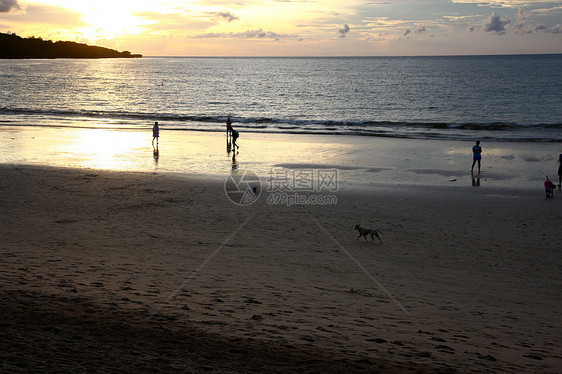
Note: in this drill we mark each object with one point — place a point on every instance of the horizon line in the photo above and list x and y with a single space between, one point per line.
362 56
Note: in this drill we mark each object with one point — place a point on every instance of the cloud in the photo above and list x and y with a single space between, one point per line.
522 26
556 29
496 24
8 5
420 30
248 34
545 30
258 34
506 3
229 17
548 10
519 26
344 31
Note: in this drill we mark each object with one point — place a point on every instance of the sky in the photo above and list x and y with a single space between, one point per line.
294 27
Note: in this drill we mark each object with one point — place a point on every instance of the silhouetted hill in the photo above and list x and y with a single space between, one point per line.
13 46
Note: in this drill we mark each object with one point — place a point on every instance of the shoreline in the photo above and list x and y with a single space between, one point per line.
361 162
464 280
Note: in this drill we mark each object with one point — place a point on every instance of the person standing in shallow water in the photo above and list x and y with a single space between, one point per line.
477 156
228 127
155 134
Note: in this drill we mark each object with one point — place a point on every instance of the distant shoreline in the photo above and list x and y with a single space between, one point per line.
61 58
56 58
16 47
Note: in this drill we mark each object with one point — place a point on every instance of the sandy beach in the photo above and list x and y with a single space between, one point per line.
116 258
159 271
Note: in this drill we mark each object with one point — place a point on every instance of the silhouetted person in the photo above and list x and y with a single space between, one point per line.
155 134
477 155
228 128
560 171
235 136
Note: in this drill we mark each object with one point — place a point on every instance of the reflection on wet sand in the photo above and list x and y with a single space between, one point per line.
156 156
476 180
360 161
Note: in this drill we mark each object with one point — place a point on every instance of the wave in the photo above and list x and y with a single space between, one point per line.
500 131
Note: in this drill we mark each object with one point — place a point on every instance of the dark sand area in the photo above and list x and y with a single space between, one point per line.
43 333
145 272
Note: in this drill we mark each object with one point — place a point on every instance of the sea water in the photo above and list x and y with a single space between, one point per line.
492 98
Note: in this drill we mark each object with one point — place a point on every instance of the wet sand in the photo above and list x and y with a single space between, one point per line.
158 272
362 162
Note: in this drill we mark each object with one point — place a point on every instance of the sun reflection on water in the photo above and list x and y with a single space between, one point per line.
108 149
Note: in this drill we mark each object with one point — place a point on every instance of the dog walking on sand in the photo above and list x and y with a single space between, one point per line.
364 232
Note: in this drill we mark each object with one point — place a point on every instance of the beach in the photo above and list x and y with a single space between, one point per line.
148 268
362 161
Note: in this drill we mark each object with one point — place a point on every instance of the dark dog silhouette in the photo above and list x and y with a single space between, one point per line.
364 232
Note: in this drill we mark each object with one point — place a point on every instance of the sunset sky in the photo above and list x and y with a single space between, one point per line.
294 27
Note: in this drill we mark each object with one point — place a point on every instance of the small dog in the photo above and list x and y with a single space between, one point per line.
364 232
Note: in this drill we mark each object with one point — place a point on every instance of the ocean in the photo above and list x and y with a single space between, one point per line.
492 98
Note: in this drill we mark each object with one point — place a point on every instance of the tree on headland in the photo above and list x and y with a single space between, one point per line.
13 46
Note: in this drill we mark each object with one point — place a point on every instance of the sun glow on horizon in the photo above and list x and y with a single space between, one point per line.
106 19
294 28
109 26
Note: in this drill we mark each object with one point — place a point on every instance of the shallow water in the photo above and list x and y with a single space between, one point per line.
360 162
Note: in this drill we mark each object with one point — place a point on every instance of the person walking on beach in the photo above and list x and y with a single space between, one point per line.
477 155
155 134
235 136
